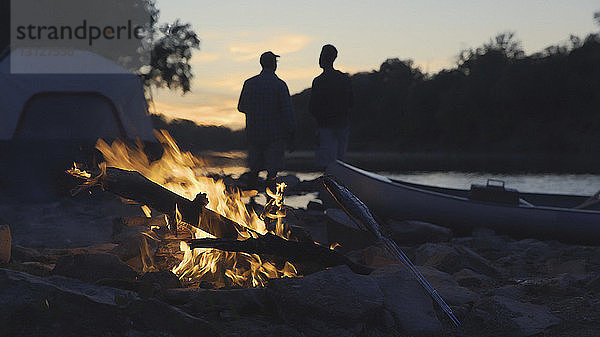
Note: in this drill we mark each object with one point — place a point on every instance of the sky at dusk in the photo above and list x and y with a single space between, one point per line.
234 33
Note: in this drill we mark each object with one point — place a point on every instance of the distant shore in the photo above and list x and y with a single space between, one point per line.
461 162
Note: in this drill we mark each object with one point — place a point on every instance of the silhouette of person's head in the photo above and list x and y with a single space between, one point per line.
268 60
328 55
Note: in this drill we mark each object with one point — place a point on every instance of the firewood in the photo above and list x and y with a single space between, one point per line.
134 186
292 251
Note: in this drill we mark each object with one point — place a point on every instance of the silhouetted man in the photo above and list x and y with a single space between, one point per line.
270 120
330 102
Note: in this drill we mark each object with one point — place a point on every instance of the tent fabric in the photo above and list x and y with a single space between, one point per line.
73 106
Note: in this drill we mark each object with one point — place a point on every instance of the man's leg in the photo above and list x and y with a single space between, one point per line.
342 141
256 163
326 153
274 162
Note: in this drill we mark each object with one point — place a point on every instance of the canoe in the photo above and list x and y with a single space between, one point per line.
536 215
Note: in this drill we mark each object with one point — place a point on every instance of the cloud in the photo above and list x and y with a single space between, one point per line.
280 45
231 82
300 73
204 57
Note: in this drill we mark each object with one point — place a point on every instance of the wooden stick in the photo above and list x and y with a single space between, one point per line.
295 252
134 186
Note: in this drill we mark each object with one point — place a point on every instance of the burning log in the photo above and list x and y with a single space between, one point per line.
134 186
296 252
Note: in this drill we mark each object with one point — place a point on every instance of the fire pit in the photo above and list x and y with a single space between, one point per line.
232 245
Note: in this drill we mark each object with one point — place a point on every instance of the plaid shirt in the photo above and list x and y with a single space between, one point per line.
265 99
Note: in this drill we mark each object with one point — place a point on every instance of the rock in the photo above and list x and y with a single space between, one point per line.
491 247
451 259
441 257
482 232
164 279
93 267
375 256
315 206
132 243
412 232
406 299
212 303
524 319
300 234
5 244
574 267
448 288
511 291
308 185
561 285
334 301
594 284
468 278
26 254
343 230
290 180
58 306
36 268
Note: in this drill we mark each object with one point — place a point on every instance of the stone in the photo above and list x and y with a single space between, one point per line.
374 256
315 206
93 267
468 278
511 291
164 279
213 303
416 232
5 244
574 267
448 288
334 301
594 284
346 232
451 259
59 306
290 180
27 254
411 307
524 319
133 242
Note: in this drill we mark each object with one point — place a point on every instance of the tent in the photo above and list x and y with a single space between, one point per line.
50 120
109 103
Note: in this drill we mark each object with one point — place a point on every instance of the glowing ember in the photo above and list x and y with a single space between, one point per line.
147 211
185 174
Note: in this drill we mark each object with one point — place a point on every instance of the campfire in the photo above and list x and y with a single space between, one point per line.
186 176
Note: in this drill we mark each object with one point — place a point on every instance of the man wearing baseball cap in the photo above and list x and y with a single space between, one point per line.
270 120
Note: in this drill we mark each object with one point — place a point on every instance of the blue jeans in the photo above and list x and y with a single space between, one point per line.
333 143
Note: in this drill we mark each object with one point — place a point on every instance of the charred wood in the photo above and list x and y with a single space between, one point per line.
295 252
134 186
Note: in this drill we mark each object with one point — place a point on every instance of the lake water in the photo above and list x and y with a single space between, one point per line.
580 184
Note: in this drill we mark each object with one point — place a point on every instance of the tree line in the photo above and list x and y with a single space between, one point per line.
495 99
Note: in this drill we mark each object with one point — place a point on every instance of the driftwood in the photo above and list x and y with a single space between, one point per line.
134 186
295 252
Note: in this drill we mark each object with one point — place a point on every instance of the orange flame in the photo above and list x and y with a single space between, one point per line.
185 174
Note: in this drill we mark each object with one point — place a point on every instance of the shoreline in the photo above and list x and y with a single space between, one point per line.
303 161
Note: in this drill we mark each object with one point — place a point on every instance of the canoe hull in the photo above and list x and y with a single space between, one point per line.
392 199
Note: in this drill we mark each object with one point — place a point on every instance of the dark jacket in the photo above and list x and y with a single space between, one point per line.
265 99
331 98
